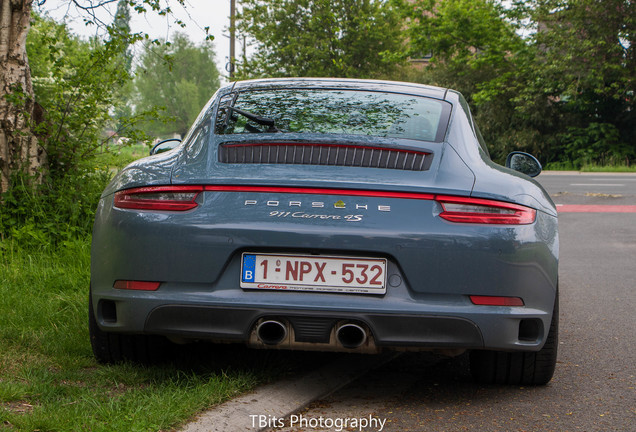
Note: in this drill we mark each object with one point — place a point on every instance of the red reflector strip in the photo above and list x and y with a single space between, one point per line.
320 191
590 208
136 285
170 198
496 301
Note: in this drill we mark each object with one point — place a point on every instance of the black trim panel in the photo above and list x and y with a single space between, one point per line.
209 322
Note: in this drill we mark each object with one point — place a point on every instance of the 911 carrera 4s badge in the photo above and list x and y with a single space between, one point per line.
289 209
316 216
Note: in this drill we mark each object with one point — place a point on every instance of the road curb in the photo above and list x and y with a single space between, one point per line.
278 400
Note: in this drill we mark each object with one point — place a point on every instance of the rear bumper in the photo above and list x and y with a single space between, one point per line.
312 319
314 327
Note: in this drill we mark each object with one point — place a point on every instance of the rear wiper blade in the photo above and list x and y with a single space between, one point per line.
265 121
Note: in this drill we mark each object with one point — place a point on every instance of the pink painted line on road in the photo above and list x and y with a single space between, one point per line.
581 208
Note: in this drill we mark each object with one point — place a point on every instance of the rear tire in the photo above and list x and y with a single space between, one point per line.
519 368
110 348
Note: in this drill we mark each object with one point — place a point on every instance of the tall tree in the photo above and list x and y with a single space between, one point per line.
19 148
121 29
476 50
584 67
339 38
564 91
121 26
75 82
181 77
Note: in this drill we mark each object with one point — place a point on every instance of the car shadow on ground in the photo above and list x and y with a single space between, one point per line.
207 357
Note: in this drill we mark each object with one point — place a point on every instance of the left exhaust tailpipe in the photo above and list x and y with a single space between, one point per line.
351 335
271 332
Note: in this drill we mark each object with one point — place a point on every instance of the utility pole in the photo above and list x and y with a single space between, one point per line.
232 37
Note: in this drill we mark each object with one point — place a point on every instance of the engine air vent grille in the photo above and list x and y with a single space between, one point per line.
309 329
325 154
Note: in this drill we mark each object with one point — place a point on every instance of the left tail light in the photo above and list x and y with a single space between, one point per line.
483 211
169 198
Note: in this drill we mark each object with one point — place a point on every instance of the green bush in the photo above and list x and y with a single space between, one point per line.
74 81
595 144
58 210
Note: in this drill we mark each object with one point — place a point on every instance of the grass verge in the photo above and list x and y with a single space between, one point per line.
120 156
49 380
610 168
569 166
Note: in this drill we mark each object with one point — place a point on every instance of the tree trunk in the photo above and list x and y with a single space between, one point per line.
19 148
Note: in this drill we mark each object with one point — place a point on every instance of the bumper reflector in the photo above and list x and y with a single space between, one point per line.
136 285
496 301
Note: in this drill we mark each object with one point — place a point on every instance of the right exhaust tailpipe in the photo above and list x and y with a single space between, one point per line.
271 332
351 335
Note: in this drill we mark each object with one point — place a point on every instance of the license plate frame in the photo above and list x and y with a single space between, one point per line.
316 273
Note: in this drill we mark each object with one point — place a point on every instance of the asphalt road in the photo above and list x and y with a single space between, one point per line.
588 184
594 386
568 188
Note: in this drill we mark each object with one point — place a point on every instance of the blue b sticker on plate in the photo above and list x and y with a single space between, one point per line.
249 267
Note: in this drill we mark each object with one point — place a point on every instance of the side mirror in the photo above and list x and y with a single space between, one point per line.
165 145
524 163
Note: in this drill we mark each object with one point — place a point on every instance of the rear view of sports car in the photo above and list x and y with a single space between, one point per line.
332 215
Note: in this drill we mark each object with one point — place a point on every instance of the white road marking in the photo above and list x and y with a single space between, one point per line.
596 184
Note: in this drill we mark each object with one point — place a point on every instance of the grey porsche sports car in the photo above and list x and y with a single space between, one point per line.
332 215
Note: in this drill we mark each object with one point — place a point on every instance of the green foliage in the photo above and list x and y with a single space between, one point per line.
178 76
474 50
467 38
582 68
59 210
75 82
552 77
322 38
596 143
118 156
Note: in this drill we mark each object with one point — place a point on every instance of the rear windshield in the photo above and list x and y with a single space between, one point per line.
324 111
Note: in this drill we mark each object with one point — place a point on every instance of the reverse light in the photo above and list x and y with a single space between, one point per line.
496 301
170 198
136 285
483 211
